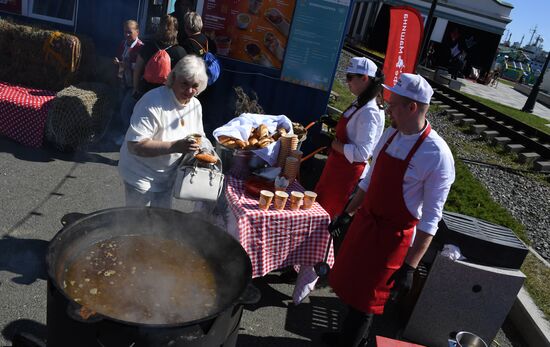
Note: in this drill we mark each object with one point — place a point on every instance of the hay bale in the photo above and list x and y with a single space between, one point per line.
42 58
79 115
6 38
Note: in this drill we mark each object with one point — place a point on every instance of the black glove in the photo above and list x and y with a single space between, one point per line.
339 225
402 282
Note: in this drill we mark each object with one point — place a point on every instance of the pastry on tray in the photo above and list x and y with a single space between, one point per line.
274 45
276 18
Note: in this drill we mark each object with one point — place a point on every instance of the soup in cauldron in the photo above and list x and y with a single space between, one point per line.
142 279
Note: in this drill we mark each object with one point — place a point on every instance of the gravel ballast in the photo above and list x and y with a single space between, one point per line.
525 197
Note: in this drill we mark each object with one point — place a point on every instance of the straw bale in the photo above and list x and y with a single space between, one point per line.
43 58
6 37
79 115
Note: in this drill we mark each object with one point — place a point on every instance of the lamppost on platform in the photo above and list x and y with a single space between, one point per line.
530 103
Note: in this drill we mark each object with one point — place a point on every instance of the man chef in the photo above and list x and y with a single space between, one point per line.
405 187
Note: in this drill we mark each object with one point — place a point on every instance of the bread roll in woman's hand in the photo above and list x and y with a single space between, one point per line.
207 157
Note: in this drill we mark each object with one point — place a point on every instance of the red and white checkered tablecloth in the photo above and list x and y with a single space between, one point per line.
23 113
275 239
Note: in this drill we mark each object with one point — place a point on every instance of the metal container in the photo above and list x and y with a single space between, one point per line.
233 271
239 162
467 339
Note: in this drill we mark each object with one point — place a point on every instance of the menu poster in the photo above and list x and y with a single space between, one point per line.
313 50
254 31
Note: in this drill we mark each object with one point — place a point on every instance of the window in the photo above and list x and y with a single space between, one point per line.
59 11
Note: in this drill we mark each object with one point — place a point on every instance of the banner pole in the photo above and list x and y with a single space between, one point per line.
426 38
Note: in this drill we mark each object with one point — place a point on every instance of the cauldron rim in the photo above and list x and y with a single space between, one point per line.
99 316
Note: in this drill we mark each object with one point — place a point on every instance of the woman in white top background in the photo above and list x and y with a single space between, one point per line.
357 133
158 135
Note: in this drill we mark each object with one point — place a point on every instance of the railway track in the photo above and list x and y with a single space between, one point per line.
531 145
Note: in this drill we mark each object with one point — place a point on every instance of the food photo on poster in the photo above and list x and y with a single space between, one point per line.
253 31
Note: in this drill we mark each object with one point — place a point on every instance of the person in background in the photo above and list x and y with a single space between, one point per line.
406 187
181 8
125 60
196 42
494 78
357 133
158 135
166 39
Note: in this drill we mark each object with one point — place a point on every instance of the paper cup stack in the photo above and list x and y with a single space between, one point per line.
292 166
288 144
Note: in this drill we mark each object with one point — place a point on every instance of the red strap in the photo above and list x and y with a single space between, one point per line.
389 141
416 145
419 142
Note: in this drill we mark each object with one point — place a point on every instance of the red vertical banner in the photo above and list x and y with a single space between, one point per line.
404 41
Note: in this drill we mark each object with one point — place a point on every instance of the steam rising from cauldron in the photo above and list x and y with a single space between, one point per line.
157 284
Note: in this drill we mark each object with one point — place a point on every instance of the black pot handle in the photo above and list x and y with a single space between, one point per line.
70 218
75 313
250 296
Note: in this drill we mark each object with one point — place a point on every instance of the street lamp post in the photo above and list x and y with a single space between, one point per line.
426 39
530 103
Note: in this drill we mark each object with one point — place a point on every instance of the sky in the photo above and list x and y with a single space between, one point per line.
525 15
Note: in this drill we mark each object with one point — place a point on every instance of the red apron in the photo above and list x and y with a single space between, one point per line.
379 237
339 176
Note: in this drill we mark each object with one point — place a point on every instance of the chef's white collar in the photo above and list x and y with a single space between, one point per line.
415 135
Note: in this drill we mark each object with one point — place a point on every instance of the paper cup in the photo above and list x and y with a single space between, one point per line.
197 138
296 199
309 199
265 199
279 201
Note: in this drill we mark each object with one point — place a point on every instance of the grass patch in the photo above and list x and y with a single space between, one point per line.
537 282
510 83
527 118
345 97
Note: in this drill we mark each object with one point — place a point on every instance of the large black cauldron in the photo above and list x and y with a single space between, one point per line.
229 261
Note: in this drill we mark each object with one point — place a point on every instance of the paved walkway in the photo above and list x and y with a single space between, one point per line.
503 94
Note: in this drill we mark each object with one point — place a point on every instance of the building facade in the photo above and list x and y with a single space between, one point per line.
473 28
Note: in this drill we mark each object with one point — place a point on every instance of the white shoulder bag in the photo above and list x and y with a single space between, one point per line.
195 182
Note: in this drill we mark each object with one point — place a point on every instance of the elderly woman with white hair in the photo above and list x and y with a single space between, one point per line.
159 132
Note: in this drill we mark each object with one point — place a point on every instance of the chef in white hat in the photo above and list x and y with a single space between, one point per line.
405 188
357 133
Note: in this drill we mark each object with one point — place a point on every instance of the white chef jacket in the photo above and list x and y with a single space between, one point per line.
428 178
158 115
364 130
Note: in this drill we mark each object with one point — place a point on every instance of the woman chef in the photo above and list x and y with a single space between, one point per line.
357 132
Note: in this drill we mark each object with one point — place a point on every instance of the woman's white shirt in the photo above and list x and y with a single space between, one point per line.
159 116
364 130
428 178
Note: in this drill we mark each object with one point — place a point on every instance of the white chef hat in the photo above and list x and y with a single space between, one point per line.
362 66
412 86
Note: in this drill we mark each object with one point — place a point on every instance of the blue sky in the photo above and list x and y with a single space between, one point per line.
525 15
